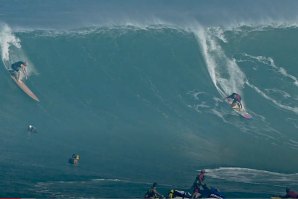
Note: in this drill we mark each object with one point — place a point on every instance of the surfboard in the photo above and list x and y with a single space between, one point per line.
25 88
21 84
241 111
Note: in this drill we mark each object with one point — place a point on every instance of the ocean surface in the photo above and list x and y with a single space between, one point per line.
137 89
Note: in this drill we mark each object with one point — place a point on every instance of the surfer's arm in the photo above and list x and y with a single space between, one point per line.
25 72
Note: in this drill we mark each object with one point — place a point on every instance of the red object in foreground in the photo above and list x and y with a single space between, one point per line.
10 198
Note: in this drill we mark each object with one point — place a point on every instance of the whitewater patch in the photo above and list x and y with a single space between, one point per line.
253 176
11 50
226 75
268 93
6 40
277 69
282 106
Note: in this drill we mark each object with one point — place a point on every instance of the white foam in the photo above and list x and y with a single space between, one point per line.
270 62
225 74
219 33
247 175
6 40
11 50
285 107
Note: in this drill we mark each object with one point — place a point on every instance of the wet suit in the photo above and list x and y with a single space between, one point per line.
17 65
236 99
15 68
199 181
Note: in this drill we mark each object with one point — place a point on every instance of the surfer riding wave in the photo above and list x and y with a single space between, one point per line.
16 69
236 100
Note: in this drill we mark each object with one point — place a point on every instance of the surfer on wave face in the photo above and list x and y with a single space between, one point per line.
236 99
16 69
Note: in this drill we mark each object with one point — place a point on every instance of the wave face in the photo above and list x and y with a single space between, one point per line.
144 103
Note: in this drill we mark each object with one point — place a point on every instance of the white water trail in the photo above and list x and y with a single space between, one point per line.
11 50
270 62
285 107
225 74
6 40
247 175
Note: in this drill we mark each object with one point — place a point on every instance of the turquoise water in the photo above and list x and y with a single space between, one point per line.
141 100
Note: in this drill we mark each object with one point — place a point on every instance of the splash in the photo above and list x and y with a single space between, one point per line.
285 107
247 175
224 72
6 40
270 62
11 50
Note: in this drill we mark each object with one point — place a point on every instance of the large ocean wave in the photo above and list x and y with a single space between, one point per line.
146 101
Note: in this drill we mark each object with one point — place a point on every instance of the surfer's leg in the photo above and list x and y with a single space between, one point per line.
235 106
18 76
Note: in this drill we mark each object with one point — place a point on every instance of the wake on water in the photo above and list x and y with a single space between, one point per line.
225 73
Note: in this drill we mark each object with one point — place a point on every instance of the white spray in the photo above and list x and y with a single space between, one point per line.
224 72
6 40
11 50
